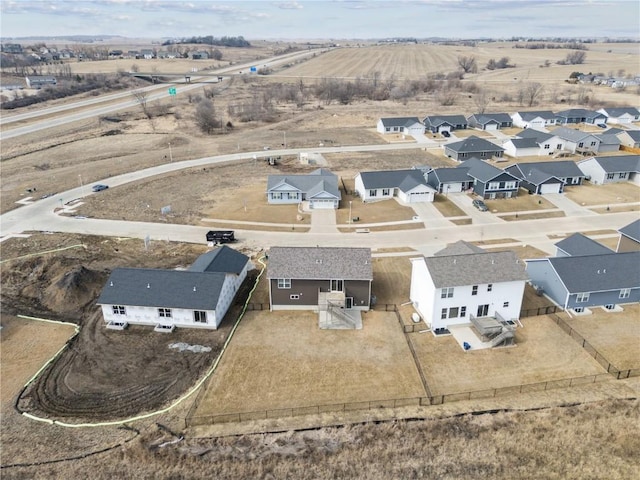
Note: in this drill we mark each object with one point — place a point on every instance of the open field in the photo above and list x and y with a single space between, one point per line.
543 352
292 363
610 193
615 335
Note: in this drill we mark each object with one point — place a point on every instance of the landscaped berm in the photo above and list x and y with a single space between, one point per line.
284 361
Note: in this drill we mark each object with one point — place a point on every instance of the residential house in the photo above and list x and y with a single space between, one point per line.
473 147
491 182
546 177
579 244
195 298
609 142
147 54
39 81
628 138
623 115
199 55
581 281
577 141
629 240
115 54
490 121
14 48
532 142
463 281
310 278
319 188
580 115
404 125
410 186
444 123
538 120
611 169
450 179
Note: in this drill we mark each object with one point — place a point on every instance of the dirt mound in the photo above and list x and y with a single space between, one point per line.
72 290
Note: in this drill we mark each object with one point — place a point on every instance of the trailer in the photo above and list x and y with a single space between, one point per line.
221 236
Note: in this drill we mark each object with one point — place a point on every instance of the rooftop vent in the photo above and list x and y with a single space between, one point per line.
148 285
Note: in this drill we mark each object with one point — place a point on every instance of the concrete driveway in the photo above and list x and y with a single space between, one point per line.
569 207
463 201
430 215
323 221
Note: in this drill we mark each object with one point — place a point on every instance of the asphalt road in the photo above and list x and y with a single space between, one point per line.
40 216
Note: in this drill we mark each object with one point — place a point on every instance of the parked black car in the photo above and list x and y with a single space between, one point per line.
221 236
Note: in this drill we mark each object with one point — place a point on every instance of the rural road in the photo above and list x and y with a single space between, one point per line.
40 216
112 100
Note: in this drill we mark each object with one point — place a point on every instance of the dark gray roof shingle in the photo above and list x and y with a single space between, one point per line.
545 114
579 244
483 171
474 144
320 263
399 121
598 273
632 230
403 179
222 259
618 163
319 178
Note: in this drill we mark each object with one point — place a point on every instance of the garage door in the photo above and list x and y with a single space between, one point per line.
550 188
452 188
318 204
491 126
419 197
415 130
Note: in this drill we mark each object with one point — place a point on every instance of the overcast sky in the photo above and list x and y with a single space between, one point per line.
328 19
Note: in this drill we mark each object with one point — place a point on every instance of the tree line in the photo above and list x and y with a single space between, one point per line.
211 40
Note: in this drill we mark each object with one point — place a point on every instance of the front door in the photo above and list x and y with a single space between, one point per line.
348 302
483 310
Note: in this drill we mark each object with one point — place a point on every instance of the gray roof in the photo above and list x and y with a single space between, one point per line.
618 163
400 121
222 259
474 144
315 181
320 263
459 248
483 171
596 273
532 175
546 114
437 120
162 288
524 142
475 268
403 179
484 118
579 113
579 244
535 134
634 134
632 230
616 112
556 168
607 139
450 174
571 134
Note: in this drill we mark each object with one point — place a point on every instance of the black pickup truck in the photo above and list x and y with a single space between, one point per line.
221 236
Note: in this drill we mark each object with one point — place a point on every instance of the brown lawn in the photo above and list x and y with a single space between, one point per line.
523 202
543 353
611 193
446 207
615 335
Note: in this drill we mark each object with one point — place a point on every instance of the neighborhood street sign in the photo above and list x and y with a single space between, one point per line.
172 90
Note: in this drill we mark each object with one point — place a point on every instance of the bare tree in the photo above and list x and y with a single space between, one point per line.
142 97
206 116
575 58
468 64
481 100
529 93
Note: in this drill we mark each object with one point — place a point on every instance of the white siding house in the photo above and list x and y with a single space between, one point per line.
621 115
410 186
538 120
611 169
404 125
463 281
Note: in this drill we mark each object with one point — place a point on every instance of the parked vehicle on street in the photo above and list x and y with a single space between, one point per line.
480 205
99 187
221 236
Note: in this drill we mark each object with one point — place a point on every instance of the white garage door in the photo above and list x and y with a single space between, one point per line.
452 188
318 204
444 128
417 130
491 126
550 188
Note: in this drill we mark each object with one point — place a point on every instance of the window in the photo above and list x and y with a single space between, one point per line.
547 146
610 176
276 195
625 292
582 297
474 290
453 312
489 287
120 310
294 297
373 193
581 144
502 185
164 312
578 309
337 286
510 185
463 312
447 293
443 314
559 146
385 192
493 186
622 175
199 316
593 144
505 305
610 306
483 310
284 283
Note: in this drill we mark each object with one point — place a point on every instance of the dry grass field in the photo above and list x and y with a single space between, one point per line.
283 360
616 335
543 352
611 193
446 207
523 202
